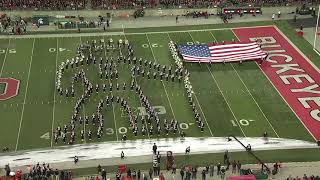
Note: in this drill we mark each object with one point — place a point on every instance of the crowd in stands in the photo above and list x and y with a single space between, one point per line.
42 4
37 171
190 3
305 177
197 14
129 4
122 4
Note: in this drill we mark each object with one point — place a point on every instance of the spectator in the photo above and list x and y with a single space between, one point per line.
239 166
139 174
122 154
211 169
226 154
75 159
161 177
150 173
104 174
154 148
181 173
203 173
174 168
218 168
234 166
99 169
129 173
194 172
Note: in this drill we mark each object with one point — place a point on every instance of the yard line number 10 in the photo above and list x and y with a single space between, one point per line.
242 122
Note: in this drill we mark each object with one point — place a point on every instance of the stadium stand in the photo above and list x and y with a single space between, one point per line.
129 4
43 4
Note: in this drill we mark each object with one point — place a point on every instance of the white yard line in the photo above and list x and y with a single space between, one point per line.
315 50
225 99
25 95
250 92
164 87
146 124
54 95
255 101
204 116
5 57
115 123
114 115
84 110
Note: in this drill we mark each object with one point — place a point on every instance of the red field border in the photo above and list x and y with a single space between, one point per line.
294 76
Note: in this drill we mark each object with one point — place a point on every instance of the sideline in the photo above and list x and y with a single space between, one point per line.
143 147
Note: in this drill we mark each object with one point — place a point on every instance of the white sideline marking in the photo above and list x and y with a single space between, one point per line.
25 95
225 99
112 149
54 96
5 57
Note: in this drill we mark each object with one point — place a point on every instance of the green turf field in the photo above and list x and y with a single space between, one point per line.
232 98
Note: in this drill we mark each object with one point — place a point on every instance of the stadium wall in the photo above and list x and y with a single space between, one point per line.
149 12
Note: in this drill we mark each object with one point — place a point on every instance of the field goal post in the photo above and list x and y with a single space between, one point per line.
316 44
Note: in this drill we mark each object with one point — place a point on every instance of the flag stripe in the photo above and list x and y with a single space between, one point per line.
233 48
246 58
221 53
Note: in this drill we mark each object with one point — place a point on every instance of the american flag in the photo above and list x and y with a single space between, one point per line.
221 53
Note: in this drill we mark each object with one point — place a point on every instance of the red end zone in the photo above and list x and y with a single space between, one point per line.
296 79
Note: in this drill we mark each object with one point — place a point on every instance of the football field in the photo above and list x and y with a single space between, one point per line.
232 99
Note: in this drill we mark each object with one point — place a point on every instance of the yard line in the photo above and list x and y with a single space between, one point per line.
5 57
145 123
222 92
198 102
276 89
255 101
250 93
225 99
203 114
25 95
84 110
54 94
164 87
114 116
